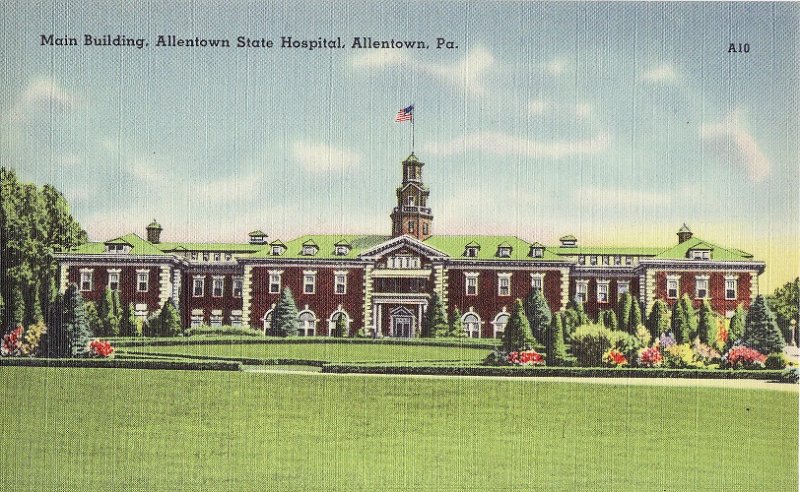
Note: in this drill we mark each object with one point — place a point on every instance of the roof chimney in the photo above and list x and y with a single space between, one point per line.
684 234
154 232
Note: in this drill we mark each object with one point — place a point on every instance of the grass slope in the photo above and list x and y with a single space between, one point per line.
91 429
331 352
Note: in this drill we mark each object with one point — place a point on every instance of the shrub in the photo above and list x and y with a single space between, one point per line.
340 329
526 358
517 335
538 313
680 356
649 357
741 357
33 339
223 330
614 358
100 348
707 326
791 375
776 361
643 335
590 342
666 340
555 347
435 322
723 336
705 353
169 320
608 318
457 325
736 326
12 342
658 321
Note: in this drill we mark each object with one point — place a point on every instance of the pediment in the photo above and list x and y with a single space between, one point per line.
403 243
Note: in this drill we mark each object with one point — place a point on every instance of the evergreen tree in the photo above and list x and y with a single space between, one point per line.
556 349
608 318
108 312
73 323
636 316
170 319
625 307
56 340
761 332
736 326
679 325
435 323
285 321
538 313
574 316
707 325
127 325
93 319
340 330
17 311
517 335
691 316
2 311
658 321
456 324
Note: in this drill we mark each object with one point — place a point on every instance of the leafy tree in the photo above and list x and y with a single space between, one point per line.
517 335
636 316
760 329
456 324
608 318
128 323
785 303
93 319
285 322
736 325
170 319
435 322
658 321
707 326
340 330
625 306
538 313
555 346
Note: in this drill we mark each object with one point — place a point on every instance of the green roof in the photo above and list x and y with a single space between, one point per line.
326 244
138 245
411 158
684 228
718 253
569 237
487 246
608 250
257 233
221 247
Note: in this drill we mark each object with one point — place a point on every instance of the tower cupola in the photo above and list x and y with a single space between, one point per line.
412 216
154 232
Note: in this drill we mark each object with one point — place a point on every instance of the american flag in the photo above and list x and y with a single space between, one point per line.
405 114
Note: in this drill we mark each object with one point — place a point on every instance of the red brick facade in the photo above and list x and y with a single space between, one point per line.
127 288
687 282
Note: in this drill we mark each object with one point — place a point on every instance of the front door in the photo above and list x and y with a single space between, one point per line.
402 326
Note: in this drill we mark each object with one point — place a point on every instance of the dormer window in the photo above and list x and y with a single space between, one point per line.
504 250
310 249
537 251
701 254
471 249
117 248
277 248
341 248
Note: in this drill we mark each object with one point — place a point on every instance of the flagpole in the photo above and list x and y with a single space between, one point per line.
412 133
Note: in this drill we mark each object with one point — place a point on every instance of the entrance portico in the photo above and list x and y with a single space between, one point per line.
398 315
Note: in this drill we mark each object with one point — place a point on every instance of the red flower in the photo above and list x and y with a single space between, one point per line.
528 357
12 342
101 348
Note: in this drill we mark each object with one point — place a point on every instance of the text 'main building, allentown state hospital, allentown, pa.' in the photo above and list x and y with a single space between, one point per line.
384 282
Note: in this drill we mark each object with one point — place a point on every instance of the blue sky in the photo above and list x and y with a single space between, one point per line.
613 122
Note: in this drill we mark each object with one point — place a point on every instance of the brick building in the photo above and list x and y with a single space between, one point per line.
384 283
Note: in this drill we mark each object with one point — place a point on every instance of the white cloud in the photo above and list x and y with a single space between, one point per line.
320 157
42 93
502 144
664 73
555 67
536 107
733 143
583 110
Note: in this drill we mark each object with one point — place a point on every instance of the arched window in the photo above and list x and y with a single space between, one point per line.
472 325
335 319
267 319
500 322
308 324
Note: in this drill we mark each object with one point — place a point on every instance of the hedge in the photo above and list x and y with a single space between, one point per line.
241 360
171 341
123 364
577 372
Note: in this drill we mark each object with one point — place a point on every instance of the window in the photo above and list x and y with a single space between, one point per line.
410 201
602 290
228 256
198 286
197 317
404 262
701 287
217 256
503 284
471 284
275 282
216 317
581 260
142 280
617 260
606 260
731 287
334 319
581 290
623 287
410 227
341 250
593 260
310 249
113 279
536 252
267 319
500 322
701 254
309 281
217 286
277 250
472 325
205 256
672 287
340 282
87 275
236 317
115 248
308 323
504 252
140 309
425 228
237 286
194 255
471 251
628 260
537 280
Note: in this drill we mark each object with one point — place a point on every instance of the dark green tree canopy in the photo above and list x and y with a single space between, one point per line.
285 322
517 335
435 322
760 329
538 313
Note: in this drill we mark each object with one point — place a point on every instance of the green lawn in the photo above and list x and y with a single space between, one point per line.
330 352
116 429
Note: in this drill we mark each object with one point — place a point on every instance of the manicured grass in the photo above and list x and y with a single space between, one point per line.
100 429
330 352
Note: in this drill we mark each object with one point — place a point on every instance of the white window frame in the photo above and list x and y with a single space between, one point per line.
471 278
217 280
266 320
503 252
143 273
697 282
86 277
701 254
734 279
340 280
198 317
216 317
603 291
274 281
117 272
537 281
496 323
236 317
309 250
305 324
471 252
206 256
202 283
341 250
582 290
217 256
277 250
470 327
309 280
504 277
677 280
238 286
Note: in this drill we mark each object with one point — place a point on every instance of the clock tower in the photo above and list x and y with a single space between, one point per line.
412 216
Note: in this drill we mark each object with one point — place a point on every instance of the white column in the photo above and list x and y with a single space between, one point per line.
418 327
246 289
